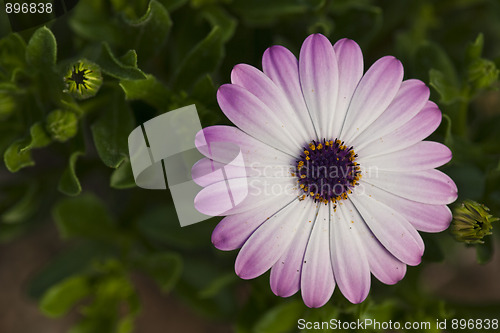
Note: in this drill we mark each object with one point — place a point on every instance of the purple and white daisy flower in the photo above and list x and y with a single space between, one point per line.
336 178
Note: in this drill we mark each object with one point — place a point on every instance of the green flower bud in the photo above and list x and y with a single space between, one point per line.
62 125
472 222
483 73
83 79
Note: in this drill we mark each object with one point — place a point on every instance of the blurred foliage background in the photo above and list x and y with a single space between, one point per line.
66 158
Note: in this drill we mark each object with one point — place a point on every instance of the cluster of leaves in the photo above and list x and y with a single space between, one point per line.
67 160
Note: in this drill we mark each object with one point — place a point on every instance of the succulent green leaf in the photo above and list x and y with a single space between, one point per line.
69 183
83 216
12 54
15 159
129 58
25 207
448 92
59 299
151 30
201 60
149 90
164 267
64 265
39 137
41 51
122 177
111 130
218 17
111 66
475 49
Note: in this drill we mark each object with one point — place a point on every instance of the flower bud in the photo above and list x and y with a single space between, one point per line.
472 222
62 125
83 79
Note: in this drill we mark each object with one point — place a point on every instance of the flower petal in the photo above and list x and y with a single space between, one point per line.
238 195
286 272
233 230
423 155
410 99
427 186
383 264
424 217
349 260
207 172
415 130
253 117
317 282
319 80
372 96
350 64
255 153
282 67
273 97
392 230
268 243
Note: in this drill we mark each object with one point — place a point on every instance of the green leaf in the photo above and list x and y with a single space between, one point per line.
41 51
25 207
129 58
91 20
15 159
448 136
83 216
39 138
59 299
69 183
203 59
12 54
113 67
172 5
149 90
165 268
280 319
218 17
122 177
68 262
475 49
151 30
265 12
432 55
447 90
161 224
111 130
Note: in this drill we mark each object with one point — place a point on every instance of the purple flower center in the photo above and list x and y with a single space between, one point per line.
327 171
